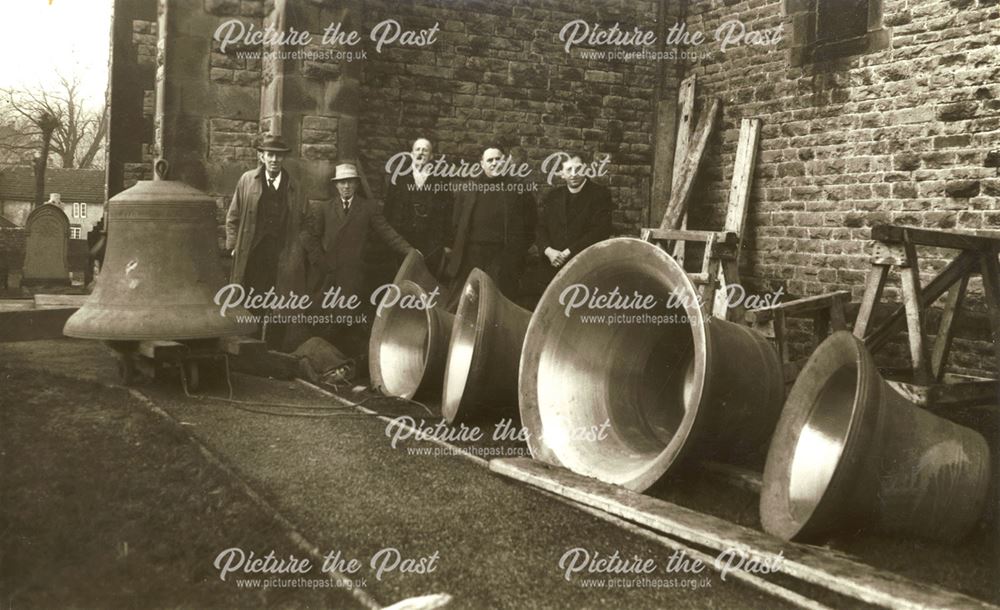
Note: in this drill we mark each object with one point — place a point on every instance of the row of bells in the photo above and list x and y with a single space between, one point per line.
844 448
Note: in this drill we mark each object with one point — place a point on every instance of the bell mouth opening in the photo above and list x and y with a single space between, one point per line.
465 337
816 446
821 442
402 352
617 390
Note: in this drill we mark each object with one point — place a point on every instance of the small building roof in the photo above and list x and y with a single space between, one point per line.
17 183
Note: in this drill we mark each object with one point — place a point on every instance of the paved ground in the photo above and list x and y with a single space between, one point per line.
337 478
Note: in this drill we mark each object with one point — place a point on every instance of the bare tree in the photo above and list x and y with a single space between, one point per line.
77 138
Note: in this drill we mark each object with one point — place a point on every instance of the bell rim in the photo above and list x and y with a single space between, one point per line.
667 269
457 408
376 342
839 349
78 325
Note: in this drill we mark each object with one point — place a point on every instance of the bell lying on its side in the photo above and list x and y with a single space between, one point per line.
409 345
414 269
851 453
662 383
480 382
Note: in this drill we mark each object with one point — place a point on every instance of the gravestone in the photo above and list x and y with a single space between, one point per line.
46 256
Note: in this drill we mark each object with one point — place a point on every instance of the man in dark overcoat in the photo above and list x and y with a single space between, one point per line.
574 216
493 226
337 232
263 225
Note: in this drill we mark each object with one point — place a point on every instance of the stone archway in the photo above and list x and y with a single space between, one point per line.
46 255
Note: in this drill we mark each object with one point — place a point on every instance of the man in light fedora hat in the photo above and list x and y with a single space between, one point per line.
263 230
337 233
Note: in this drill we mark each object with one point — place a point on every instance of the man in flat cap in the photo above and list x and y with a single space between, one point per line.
336 234
262 231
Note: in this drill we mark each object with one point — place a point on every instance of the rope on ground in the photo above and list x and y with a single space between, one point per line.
293 410
454 449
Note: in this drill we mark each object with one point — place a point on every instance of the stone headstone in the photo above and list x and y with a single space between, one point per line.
46 259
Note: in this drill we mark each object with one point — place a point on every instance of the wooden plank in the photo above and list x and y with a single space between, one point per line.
952 395
685 120
723 309
990 268
915 316
838 310
739 198
725 238
942 342
973 325
756 582
807 304
934 237
739 190
780 335
712 265
966 394
821 325
666 116
162 350
952 273
243 346
680 196
816 565
60 300
874 284
33 324
685 102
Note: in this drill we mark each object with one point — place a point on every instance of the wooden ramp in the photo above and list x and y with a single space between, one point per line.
814 565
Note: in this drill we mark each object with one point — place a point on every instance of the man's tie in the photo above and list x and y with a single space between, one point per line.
270 184
347 206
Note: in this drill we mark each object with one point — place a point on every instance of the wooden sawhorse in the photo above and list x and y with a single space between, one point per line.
895 246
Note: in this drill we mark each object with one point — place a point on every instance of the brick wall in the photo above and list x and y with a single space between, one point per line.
499 74
898 135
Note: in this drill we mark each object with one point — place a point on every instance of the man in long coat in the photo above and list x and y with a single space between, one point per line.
335 236
494 225
418 206
262 232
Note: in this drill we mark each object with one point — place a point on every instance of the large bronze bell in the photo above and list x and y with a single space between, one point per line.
851 453
397 361
161 269
480 381
414 269
622 392
409 343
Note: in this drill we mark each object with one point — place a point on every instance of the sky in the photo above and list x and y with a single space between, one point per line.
40 37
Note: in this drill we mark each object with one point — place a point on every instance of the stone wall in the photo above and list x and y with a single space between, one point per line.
897 135
133 68
497 74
